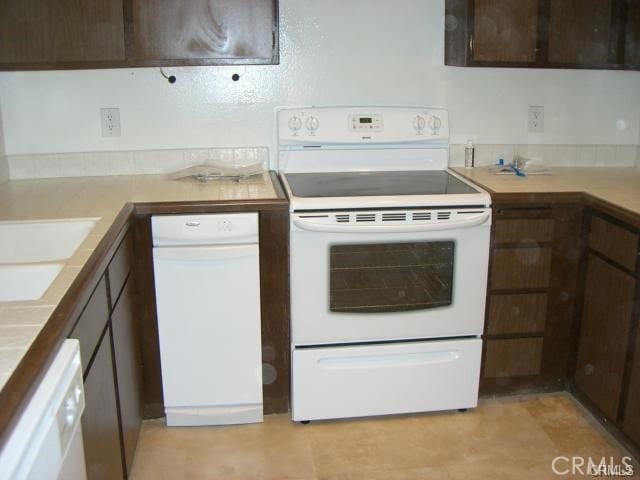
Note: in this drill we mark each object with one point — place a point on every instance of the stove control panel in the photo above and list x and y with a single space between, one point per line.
319 126
365 123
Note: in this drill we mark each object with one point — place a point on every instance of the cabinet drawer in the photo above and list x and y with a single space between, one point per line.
520 313
91 323
119 267
615 242
369 380
513 357
515 268
518 230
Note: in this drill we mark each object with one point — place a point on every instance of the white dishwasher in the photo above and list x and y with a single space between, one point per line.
207 278
46 443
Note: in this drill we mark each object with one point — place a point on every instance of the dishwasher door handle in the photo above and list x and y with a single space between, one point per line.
204 253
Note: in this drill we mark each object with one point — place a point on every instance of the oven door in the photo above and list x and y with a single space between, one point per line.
388 275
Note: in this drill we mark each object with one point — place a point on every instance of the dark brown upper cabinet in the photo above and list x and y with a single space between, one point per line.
202 32
504 31
50 32
631 38
68 34
597 34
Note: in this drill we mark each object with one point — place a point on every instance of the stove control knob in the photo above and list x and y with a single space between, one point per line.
434 124
312 124
295 124
419 123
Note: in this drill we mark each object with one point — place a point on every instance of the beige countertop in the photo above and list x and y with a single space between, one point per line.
104 198
617 186
91 197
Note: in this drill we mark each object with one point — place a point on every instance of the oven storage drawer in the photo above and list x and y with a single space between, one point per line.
365 380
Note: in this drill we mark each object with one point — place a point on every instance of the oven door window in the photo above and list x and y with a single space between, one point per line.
391 277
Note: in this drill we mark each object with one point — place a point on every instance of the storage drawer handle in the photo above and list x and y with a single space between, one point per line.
391 360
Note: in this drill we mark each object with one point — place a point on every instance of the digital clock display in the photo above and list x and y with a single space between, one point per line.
366 120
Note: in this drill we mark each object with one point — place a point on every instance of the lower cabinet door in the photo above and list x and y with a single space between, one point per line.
606 323
100 428
631 421
128 369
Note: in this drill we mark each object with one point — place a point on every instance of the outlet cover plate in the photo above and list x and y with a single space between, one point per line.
110 119
536 119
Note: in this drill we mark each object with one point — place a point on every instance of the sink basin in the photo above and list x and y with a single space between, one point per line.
42 241
26 282
32 254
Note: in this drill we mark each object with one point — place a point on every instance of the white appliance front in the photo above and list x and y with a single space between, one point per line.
208 300
458 273
366 380
209 331
46 443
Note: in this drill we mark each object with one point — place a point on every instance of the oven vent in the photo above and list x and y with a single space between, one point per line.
342 218
394 217
444 215
421 216
365 217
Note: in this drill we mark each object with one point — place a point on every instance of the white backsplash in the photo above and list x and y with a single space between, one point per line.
166 161
552 155
129 162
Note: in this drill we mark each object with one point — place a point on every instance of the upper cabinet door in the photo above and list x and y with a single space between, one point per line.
632 33
580 32
599 34
204 32
57 31
487 33
504 31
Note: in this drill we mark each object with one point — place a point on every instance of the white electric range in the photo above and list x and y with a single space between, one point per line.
389 259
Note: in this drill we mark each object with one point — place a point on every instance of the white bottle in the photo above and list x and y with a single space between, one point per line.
469 154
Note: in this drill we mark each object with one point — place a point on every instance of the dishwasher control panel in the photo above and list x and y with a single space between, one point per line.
204 229
225 225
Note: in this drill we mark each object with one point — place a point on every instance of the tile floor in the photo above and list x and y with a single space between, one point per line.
506 438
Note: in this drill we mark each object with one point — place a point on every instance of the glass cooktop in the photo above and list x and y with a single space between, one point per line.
376 184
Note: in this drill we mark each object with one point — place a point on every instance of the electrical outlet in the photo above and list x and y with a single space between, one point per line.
536 119
110 122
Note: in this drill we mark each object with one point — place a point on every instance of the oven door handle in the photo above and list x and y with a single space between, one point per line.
472 220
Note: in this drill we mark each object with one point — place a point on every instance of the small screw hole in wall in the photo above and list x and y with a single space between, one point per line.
235 77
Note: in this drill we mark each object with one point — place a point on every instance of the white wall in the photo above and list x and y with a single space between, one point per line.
4 164
332 52
581 106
